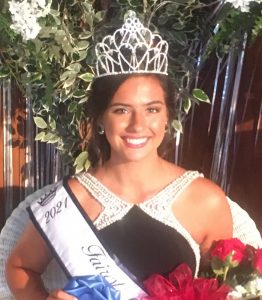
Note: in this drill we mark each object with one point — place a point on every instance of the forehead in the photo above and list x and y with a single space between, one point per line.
140 88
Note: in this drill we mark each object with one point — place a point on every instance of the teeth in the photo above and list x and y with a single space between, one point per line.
136 141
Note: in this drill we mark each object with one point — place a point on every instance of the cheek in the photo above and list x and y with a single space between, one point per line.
158 125
115 125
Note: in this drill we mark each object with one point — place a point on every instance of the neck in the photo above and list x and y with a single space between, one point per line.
133 172
136 181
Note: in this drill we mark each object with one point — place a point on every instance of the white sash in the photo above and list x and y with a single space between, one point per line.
74 242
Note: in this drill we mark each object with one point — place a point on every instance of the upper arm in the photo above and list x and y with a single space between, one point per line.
218 224
30 252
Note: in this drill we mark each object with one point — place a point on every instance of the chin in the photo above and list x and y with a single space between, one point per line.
137 157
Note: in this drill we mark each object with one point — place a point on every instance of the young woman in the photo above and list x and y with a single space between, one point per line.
149 213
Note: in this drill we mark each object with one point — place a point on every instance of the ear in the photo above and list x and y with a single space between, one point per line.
100 121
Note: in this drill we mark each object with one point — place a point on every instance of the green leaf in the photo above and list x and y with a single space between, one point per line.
35 77
99 16
81 158
54 139
88 18
87 77
40 122
87 164
4 73
52 123
178 26
82 45
54 12
181 38
67 46
51 138
200 95
65 75
187 105
79 168
72 107
163 19
85 35
40 136
83 100
79 94
80 161
76 67
218 266
177 125
69 82
79 55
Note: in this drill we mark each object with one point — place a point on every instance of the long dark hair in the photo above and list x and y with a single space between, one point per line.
102 92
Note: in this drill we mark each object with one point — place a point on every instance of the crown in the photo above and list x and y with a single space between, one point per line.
47 197
131 49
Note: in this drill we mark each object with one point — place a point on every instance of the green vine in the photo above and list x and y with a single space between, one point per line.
56 68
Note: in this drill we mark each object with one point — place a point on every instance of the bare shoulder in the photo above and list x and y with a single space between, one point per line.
204 210
211 200
208 193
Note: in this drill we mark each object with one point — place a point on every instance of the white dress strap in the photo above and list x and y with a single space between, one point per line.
159 208
244 227
114 208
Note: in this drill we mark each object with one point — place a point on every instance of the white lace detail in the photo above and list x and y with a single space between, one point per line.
113 207
244 227
158 207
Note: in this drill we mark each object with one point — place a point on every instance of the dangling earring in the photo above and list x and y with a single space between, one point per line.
100 129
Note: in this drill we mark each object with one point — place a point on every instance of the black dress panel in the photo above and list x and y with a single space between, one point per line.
146 246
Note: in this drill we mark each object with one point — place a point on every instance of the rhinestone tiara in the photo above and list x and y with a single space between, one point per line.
131 49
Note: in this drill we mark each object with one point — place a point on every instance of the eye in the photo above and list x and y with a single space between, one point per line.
153 109
120 110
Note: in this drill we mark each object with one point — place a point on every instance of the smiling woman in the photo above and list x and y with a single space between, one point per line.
101 94
141 213
139 106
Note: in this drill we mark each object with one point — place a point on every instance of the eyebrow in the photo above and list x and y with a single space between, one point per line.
146 104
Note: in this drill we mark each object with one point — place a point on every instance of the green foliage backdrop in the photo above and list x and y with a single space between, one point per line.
55 69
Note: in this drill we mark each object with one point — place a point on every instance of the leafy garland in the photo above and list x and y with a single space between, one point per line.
55 68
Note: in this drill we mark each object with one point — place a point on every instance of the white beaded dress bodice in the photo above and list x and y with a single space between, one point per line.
158 207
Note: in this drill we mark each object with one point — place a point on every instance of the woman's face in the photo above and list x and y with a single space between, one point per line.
135 119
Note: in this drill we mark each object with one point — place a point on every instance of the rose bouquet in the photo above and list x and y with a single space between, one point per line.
181 285
235 272
237 265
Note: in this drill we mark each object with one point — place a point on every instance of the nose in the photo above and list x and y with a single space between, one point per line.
137 122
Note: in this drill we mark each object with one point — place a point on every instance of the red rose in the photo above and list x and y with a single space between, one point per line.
257 261
206 289
232 249
158 287
182 286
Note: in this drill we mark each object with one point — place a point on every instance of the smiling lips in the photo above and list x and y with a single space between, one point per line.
135 142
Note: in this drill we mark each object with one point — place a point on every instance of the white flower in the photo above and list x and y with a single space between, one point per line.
243 5
254 287
25 16
41 3
238 292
